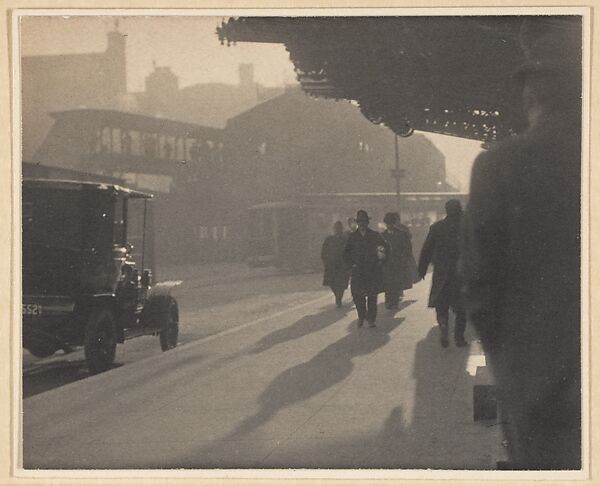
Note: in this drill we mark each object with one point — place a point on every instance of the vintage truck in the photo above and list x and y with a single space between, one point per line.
87 271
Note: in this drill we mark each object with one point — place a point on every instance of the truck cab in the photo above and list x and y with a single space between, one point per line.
87 270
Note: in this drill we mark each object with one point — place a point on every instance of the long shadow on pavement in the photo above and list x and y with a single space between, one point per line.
433 431
302 327
439 433
188 365
330 366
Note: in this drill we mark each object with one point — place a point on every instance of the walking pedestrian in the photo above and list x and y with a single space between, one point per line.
522 260
411 264
364 254
398 275
441 248
336 273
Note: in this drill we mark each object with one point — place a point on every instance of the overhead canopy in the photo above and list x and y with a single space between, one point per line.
449 75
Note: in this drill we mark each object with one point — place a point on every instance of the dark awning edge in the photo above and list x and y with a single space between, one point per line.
447 75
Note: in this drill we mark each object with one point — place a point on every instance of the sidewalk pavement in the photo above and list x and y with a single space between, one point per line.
303 389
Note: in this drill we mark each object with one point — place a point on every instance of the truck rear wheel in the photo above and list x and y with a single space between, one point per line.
169 316
100 340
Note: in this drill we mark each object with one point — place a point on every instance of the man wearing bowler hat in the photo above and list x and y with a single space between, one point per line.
365 253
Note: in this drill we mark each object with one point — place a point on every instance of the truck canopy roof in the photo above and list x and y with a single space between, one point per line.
84 185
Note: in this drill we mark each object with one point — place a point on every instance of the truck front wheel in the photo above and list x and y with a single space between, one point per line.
169 315
100 340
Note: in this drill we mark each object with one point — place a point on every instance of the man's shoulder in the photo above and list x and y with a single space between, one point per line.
503 154
352 235
438 225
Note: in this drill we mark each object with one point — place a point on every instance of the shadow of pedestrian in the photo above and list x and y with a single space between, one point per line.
434 429
404 304
302 327
330 366
439 433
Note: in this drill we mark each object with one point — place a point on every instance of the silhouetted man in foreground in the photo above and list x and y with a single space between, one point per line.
522 260
441 248
365 253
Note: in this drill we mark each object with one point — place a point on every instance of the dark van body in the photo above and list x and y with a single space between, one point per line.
80 281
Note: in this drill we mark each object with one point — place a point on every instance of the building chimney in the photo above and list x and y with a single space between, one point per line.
116 62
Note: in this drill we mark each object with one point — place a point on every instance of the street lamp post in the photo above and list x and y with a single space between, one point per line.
397 173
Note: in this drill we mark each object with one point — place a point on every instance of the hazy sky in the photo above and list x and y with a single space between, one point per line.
190 47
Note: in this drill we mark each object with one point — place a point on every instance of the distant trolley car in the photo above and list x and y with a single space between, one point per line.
289 234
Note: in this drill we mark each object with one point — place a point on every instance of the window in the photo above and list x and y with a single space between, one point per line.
116 140
189 142
161 146
126 143
165 145
95 142
180 151
215 233
203 231
171 148
149 141
224 232
106 135
195 152
136 143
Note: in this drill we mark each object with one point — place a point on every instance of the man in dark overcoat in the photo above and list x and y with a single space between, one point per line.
397 272
335 274
522 261
351 226
364 254
441 248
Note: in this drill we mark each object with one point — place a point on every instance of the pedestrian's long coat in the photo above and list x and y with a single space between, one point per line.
399 269
521 259
336 273
441 248
360 255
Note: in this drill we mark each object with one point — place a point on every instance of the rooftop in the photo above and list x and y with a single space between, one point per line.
134 121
